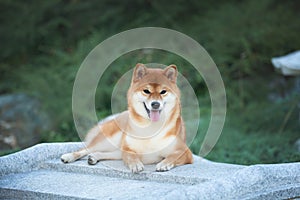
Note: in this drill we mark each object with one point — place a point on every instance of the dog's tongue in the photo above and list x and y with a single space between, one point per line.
154 115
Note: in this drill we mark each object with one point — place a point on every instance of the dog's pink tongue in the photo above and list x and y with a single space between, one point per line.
154 115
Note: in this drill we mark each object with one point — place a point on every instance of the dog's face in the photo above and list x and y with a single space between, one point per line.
153 92
155 99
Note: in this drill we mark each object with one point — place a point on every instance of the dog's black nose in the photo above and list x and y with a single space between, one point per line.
155 105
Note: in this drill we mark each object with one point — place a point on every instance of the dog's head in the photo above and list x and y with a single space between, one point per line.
152 92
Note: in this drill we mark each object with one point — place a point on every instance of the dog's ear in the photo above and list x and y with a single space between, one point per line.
171 73
140 71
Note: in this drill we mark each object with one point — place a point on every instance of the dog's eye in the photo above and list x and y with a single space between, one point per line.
146 91
163 92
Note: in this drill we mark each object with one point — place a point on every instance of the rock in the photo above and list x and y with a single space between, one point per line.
283 88
297 145
288 64
38 173
21 121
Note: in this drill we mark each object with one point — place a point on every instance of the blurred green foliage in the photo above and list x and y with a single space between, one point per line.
44 42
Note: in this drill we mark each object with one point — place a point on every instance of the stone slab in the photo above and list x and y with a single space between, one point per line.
37 173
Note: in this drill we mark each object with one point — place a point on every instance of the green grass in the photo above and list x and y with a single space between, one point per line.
237 147
240 147
42 59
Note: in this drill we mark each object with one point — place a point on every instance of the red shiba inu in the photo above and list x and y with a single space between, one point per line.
150 131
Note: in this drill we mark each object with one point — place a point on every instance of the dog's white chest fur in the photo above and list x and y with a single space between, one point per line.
152 146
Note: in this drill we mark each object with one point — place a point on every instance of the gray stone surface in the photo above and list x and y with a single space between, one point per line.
37 173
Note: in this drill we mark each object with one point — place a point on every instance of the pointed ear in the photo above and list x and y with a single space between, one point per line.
171 73
140 71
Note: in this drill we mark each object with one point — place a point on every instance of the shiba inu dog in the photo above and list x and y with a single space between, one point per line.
150 131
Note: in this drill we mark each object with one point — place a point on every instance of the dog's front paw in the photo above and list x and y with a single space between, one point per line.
92 160
164 166
136 166
67 158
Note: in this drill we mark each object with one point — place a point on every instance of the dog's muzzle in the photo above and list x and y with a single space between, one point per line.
154 112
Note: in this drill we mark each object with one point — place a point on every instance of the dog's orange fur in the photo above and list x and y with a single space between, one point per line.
133 135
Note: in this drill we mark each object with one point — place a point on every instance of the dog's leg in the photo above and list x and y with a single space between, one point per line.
97 156
71 157
179 157
96 141
91 135
131 159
